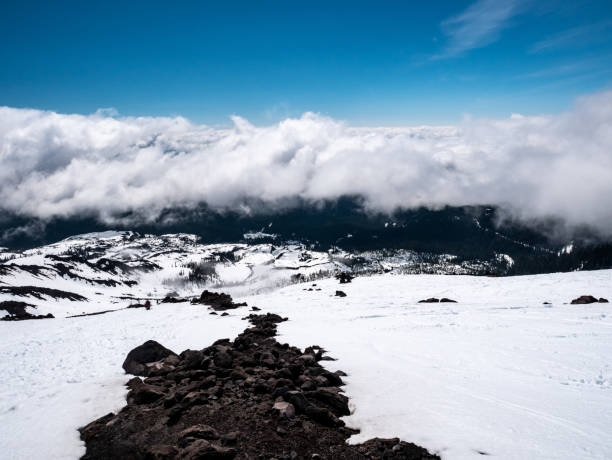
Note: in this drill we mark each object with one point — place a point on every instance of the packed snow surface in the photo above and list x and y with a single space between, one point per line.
498 372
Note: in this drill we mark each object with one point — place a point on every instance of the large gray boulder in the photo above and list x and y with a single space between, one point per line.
139 359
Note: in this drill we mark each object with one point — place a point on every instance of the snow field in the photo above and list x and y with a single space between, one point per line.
497 373
63 373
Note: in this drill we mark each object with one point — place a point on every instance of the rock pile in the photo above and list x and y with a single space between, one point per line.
253 398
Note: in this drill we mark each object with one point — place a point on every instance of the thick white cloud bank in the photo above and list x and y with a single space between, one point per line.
63 165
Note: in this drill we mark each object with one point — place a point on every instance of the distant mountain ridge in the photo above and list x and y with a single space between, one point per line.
469 233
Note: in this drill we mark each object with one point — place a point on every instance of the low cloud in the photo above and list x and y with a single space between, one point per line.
536 167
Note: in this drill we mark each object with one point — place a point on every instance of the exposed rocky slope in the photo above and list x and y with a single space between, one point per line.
252 398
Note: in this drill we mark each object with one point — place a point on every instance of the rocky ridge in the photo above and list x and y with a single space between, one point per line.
253 398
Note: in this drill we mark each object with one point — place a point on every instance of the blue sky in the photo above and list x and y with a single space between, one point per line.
370 63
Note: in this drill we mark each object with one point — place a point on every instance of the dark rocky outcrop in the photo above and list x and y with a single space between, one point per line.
15 307
146 305
344 277
142 359
586 299
39 292
171 299
436 300
26 316
340 294
253 398
218 301
17 311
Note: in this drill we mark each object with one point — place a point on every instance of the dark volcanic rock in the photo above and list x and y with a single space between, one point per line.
112 266
218 301
17 311
340 294
144 394
149 352
39 292
15 308
585 299
393 448
430 300
436 300
200 449
253 398
169 299
344 277
146 305
26 316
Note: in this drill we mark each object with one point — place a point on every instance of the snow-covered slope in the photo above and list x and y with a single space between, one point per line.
111 270
499 372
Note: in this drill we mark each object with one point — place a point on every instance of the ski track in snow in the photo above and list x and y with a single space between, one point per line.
498 372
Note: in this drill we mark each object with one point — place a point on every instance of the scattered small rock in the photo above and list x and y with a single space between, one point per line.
284 409
199 431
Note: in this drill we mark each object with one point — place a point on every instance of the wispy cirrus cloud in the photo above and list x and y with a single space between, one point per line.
590 66
479 25
575 36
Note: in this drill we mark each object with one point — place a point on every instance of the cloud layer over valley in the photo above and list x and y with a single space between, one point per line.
536 167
